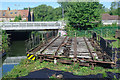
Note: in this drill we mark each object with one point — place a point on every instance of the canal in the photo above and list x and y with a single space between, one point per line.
17 50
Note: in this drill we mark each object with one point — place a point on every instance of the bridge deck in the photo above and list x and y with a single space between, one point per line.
31 25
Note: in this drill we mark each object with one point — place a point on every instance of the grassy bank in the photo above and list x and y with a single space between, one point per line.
115 43
26 66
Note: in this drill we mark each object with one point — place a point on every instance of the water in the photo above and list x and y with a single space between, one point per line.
7 68
17 49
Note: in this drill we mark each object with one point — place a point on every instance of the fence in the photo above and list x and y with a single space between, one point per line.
104 32
41 38
105 45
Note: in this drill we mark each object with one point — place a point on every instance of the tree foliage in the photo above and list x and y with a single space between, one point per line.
17 18
114 9
47 13
83 15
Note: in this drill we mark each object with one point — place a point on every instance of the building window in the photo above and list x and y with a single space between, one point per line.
15 12
11 12
4 14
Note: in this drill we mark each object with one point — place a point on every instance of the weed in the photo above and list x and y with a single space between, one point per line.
104 74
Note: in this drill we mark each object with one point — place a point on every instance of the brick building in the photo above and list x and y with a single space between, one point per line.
7 15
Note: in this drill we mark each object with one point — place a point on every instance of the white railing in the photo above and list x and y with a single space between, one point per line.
31 25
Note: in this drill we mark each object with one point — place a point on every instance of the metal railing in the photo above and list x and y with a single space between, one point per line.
42 38
105 45
31 25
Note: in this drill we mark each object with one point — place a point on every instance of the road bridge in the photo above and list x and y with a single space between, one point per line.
32 25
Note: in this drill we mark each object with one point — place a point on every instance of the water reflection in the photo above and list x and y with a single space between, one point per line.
7 68
17 49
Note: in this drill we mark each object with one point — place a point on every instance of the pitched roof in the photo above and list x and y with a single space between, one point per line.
106 16
13 13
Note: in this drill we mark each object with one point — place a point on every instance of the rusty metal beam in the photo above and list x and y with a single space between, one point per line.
84 64
95 61
75 47
89 49
49 44
46 55
65 61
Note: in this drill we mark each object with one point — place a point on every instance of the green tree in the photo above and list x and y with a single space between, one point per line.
83 15
114 8
43 13
47 13
17 18
57 13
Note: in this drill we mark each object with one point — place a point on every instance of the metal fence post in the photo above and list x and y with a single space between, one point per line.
115 55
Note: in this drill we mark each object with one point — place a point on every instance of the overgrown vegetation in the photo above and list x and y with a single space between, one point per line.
5 41
26 66
107 32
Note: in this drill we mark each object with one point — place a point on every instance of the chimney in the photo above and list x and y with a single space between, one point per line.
8 9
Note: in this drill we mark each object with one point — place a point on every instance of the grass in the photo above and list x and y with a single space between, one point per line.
26 66
116 43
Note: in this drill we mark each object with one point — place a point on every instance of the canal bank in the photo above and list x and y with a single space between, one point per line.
16 50
18 47
35 70
14 56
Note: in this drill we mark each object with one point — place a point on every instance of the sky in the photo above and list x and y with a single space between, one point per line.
14 4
